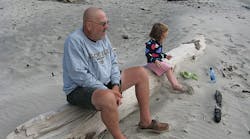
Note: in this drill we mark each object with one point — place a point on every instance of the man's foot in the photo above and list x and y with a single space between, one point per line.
155 127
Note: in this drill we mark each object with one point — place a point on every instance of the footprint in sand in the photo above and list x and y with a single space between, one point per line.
189 89
229 37
240 46
209 41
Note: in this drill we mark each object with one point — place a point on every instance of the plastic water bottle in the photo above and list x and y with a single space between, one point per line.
212 75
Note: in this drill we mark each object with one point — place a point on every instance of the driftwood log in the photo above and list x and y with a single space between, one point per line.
71 122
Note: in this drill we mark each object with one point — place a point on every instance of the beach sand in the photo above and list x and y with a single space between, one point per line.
31 47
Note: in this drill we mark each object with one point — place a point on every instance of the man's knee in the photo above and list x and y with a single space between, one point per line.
109 96
138 70
141 71
106 100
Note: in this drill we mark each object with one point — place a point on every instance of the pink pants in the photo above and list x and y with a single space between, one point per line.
158 70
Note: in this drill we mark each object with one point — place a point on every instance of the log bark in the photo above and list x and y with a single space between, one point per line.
71 122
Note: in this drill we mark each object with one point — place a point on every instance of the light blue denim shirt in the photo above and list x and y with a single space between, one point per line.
87 63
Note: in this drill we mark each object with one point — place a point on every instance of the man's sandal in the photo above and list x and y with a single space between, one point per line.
217 109
218 98
217 114
155 127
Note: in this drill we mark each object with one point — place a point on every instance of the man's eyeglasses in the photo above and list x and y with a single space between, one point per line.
100 23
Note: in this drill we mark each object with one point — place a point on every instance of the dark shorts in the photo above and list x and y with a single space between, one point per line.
81 96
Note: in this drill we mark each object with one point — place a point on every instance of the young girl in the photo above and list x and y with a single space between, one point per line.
155 55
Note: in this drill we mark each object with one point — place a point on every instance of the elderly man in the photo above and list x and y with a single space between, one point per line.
92 78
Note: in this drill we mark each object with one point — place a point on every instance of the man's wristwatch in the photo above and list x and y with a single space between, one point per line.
115 84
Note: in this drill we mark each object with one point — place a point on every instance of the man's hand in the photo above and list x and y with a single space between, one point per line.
118 94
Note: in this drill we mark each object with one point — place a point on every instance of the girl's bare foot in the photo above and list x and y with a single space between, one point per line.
178 88
184 89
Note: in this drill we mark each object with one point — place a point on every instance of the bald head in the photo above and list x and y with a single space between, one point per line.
91 13
95 23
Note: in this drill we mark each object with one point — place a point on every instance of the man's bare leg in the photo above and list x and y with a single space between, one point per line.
138 76
104 100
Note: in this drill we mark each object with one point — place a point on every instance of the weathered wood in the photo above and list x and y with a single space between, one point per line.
71 122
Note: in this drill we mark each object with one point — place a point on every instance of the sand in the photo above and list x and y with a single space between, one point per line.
31 47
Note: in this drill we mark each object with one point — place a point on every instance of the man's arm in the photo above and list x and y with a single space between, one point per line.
115 72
